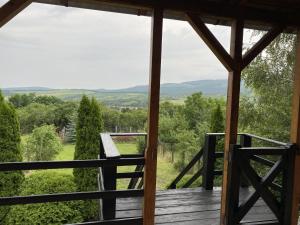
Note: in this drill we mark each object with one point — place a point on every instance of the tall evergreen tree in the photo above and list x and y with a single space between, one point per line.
9 152
89 126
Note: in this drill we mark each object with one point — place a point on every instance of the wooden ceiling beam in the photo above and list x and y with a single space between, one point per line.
255 17
211 41
261 45
11 9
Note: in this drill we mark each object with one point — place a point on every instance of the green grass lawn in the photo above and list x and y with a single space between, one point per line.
165 171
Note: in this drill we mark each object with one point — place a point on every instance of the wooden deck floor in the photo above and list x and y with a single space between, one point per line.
191 207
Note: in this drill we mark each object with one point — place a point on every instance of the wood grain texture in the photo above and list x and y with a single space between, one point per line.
191 206
232 109
295 132
153 115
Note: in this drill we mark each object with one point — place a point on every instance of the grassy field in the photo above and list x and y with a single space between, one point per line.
165 174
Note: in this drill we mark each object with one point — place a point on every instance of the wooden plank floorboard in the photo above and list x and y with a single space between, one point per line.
191 207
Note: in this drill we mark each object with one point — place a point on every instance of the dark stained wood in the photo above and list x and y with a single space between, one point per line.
261 45
11 9
128 221
211 41
209 158
191 164
257 15
192 207
92 163
153 115
295 133
232 109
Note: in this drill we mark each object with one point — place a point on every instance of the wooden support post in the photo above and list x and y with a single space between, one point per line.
153 115
245 141
11 9
110 183
295 134
234 179
209 157
233 96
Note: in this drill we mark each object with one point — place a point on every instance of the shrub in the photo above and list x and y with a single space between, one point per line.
56 213
9 152
89 126
42 145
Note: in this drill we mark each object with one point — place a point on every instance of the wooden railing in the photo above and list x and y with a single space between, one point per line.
108 161
274 186
208 156
108 181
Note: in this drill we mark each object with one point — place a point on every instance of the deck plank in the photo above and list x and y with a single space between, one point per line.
191 207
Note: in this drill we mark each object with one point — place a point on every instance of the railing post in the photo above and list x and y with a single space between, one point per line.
209 162
110 183
287 184
233 191
245 141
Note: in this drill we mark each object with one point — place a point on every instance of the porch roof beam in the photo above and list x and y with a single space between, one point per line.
10 9
261 45
211 41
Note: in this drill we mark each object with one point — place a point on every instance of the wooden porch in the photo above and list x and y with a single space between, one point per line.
192 206
278 187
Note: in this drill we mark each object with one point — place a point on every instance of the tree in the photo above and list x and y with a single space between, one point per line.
9 152
270 76
47 100
35 115
55 213
43 144
196 109
89 125
21 100
217 120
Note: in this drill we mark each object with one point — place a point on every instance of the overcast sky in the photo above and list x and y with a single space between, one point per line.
62 47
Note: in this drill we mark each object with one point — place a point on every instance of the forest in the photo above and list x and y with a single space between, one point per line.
42 128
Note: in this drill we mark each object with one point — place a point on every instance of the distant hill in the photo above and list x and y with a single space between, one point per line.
178 90
134 96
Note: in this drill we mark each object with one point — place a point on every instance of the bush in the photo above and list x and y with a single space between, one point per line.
89 125
9 152
42 145
56 213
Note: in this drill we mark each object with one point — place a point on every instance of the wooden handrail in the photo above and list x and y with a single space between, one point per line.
60 197
109 147
127 221
93 163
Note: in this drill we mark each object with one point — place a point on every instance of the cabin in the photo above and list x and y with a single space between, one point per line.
246 196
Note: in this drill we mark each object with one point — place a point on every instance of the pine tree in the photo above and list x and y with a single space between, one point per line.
89 126
10 139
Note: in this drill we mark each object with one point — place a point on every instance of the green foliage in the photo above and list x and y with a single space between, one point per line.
270 76
217 120
35 115
9 152
42 145
141 144
47 213
21 100
195 109
89 126
47 100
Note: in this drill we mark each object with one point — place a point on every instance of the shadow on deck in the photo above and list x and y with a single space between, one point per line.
192 206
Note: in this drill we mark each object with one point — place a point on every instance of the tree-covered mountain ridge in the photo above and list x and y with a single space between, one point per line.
172 90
